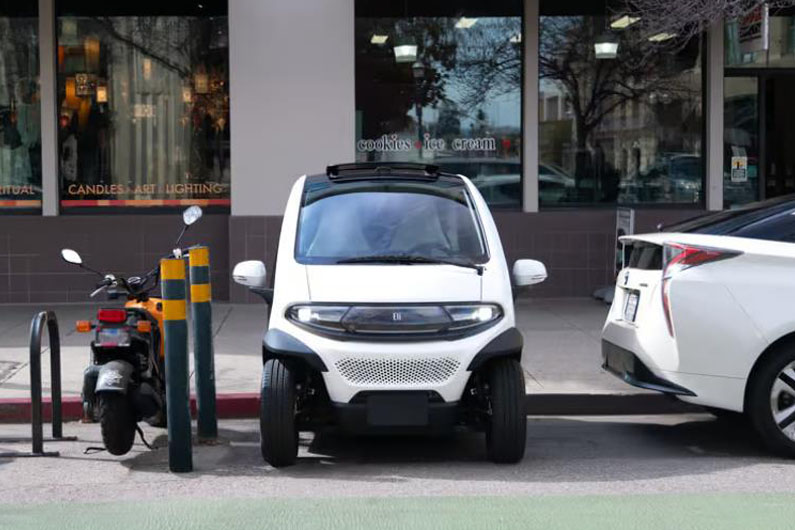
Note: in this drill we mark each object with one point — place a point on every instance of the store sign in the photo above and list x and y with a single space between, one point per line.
392 143
14 190
754 30
187 189
739 169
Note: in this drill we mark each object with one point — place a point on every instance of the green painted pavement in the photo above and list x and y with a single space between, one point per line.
682 512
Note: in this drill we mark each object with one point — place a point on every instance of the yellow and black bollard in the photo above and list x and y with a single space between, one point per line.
175 336
204 367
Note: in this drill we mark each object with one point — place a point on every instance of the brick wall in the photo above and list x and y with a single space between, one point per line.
31 269
577 247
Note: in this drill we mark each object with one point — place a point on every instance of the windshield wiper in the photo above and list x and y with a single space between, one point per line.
410 259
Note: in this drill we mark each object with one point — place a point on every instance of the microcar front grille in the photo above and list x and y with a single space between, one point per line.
397 372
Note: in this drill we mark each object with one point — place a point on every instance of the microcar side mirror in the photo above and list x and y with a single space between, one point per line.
528 272
251 274
70 256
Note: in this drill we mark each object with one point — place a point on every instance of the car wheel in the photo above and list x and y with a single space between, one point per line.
278 432
771 401
506 431
116 422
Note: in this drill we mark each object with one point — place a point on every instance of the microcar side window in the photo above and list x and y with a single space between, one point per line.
363 218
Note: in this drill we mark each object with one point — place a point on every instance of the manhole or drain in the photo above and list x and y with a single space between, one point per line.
8 369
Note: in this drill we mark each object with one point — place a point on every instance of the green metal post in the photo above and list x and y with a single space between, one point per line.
175 335
204 367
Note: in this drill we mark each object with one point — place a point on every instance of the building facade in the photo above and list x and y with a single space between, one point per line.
114 117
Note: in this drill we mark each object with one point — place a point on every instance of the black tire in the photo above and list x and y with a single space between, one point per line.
117 422
506 432
277 427
758 404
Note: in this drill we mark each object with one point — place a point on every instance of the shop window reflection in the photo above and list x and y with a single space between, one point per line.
143 111
745 46
631 131
20 113
445 90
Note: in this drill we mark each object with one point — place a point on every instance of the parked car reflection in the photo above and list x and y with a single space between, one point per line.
500 182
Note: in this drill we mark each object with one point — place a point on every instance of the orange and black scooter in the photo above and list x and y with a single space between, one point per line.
125 382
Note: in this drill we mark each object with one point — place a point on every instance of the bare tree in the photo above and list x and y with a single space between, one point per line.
684 20
489 60
595 89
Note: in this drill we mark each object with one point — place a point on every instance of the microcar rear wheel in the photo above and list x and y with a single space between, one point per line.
506 431
278 432
771 401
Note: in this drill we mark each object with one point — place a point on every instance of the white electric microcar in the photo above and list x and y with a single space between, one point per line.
391 312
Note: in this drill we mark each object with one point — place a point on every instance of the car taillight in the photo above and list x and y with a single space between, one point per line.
677 258
112 316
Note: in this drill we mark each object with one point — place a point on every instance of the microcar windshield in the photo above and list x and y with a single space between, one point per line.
389 219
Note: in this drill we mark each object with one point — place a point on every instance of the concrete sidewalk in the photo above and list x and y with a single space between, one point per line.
561 356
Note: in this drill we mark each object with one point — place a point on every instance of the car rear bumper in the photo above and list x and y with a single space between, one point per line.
628 367
397 412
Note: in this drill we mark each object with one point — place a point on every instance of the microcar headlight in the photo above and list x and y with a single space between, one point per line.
398 320
470 316
317 316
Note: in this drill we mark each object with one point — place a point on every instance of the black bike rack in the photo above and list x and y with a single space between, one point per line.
40 320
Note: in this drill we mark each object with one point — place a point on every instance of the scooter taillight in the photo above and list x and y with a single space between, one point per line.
112 316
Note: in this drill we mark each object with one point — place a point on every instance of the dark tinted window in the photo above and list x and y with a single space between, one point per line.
777 227
772 220
644 256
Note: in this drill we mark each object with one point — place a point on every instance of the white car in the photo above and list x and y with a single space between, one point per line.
704 311
392 312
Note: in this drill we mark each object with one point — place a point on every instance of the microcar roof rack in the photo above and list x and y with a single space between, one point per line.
387 169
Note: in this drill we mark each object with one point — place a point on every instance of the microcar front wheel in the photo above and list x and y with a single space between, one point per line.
278 432
506 431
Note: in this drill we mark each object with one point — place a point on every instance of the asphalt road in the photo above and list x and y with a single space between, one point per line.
677 471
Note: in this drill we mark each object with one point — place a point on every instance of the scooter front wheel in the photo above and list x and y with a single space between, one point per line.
117 422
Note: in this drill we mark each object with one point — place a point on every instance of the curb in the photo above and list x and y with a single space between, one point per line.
18 410
246 405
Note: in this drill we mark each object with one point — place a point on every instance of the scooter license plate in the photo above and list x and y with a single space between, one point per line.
113 337
397 410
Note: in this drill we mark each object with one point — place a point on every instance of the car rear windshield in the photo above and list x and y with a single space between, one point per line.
360 218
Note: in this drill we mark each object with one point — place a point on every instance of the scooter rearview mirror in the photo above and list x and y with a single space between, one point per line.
191 215
70 256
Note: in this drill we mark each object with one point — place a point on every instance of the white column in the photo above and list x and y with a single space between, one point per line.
530 116
714 117
292 96
49 131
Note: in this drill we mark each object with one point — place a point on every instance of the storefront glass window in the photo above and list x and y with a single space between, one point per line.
741 141
441 83
746 46
626 129
20 110
143 105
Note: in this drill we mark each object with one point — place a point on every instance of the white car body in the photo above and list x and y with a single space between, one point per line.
392 311
725 315
381 283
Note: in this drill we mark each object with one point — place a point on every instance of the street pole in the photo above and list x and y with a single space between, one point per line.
201 309
175 336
